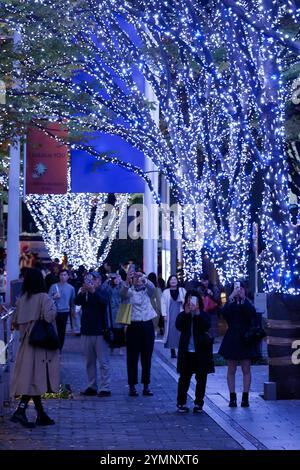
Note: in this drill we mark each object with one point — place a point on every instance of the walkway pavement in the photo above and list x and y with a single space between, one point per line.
120 422
273 425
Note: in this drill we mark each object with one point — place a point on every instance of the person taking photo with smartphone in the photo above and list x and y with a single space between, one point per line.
138 290
93 325
195 352
240 315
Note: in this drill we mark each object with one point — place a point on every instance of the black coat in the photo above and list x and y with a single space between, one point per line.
239 317
200 325
94 312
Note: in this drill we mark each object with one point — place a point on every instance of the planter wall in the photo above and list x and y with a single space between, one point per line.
283 330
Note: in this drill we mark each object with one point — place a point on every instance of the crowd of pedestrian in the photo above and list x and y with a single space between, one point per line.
183 315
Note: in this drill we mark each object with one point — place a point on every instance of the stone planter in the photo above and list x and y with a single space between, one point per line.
283 329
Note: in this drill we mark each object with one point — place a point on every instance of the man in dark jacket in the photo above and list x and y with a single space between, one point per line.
93 323
195 352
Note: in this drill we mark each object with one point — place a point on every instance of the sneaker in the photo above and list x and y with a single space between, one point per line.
104 393
133 392
197 409
89 392
182 409
147 392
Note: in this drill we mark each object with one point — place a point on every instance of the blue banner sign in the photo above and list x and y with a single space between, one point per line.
91 175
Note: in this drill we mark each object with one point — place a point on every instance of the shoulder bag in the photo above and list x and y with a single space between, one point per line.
43 335
254 335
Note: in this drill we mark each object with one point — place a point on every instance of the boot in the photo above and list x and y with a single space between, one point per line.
233 403
19 416
43 419
245 400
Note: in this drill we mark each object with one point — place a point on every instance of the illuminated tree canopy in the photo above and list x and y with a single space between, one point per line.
219 73
81 225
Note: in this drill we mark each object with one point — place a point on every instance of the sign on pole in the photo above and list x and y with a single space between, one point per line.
46 161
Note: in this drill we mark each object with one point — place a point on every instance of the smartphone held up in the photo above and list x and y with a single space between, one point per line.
237 285
193 301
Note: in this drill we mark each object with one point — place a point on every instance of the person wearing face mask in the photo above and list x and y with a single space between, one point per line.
172 300
138 290
195 352
240 315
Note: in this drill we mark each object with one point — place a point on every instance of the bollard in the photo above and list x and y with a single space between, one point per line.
1 392
270 390
6 386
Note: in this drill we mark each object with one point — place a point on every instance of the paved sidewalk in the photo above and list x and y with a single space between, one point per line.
273 425
117 422
120 422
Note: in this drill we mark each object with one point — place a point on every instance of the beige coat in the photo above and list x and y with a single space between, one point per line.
33 365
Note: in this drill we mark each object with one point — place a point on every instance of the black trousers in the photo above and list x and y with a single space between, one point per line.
185 380
61 324
139 342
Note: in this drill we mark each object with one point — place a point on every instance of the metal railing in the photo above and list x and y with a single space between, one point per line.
7 355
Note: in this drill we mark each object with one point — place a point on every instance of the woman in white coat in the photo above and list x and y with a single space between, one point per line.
172 301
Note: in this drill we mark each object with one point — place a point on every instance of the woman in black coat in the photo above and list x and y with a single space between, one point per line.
195 352
240 315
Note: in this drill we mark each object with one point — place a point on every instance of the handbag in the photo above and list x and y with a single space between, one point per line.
208 303
108 336
124 314
108 333
254 335
43 335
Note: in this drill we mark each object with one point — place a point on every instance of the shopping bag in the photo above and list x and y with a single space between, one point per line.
124 314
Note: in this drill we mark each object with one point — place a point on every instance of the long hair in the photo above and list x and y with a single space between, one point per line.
33 282
153 278
161 283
